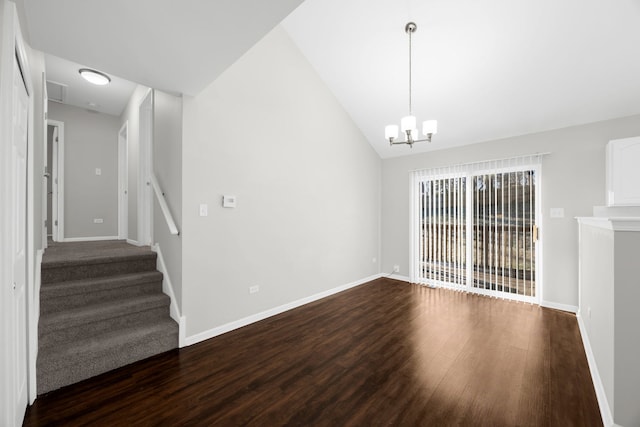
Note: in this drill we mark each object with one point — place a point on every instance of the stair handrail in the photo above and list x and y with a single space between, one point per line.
173 229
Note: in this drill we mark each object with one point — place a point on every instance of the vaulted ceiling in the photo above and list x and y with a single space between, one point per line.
484 69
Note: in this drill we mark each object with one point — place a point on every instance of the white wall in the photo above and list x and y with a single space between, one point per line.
269 132
573 177
609 316
627 335
131 115
90 142
167 165
597 266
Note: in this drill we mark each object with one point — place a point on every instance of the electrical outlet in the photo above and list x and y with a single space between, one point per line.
374 260
396 268
254 289
98 220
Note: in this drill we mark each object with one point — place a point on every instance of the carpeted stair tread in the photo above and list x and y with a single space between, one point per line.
101 307
96 267
99 259
52 359
68 295
95 355
95 312
72 287
59 255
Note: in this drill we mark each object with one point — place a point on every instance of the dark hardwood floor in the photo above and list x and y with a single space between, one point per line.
384 353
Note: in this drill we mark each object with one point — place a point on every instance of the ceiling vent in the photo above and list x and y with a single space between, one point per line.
56 92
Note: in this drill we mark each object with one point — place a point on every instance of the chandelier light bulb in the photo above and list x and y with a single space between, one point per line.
408 123
430 127
391 132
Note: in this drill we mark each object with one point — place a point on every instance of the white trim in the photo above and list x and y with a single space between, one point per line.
396 277
134 242
603 403
57 172
47 167
89 239
123 181
167 288
34 319
182 332
228 327
615 223
558 306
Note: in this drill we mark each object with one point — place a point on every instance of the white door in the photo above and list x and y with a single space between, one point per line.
18 334
123 182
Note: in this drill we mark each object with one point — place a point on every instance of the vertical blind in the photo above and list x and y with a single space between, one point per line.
474 226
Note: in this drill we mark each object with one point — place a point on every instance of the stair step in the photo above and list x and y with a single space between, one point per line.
98 354
72 294
101 307
97 266
65 327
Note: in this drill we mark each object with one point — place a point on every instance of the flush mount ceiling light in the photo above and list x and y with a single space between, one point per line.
95 77
408 123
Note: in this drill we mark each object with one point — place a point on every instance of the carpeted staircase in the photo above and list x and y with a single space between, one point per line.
101 307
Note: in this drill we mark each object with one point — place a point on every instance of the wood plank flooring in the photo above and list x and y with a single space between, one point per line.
384 353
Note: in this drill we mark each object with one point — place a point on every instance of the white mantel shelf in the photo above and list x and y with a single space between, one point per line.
612 223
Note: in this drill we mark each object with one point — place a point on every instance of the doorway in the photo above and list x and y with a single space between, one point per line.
476 229
123 182
55 185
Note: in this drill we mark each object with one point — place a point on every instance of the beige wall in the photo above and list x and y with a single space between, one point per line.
307 185
573 178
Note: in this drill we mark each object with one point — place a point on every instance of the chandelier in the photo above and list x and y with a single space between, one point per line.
408 123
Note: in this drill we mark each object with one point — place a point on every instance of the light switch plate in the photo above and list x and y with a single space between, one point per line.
204 210
556 212
228 201
98 171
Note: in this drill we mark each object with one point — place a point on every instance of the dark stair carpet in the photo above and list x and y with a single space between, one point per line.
101 307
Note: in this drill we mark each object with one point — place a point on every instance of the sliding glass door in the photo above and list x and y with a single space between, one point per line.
476 230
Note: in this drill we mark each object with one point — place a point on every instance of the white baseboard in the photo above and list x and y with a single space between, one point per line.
558 306
396 277
167 288
228 327
133 242
603 402
89 239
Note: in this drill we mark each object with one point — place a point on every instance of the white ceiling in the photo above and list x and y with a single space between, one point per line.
484 69
109 99
176 46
